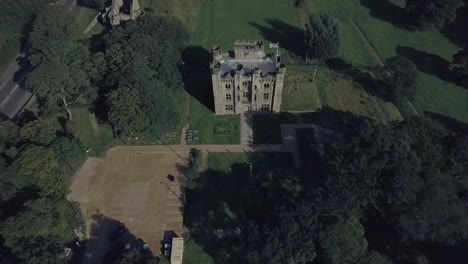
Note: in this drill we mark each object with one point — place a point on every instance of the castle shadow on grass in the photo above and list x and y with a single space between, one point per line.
289 37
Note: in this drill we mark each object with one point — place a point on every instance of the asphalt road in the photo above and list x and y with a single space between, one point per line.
13 96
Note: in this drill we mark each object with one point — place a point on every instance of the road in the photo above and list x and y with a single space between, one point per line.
13 95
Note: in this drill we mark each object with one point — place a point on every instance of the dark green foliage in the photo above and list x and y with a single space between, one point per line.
93 4
343 241
427 14
143 75
322 36
405 173
67 150
40 132
193 169
60 63
136 256
460 69
287 237
402 82
14 16
38 169
40 230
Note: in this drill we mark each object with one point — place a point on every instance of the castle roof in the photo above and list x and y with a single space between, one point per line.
266 66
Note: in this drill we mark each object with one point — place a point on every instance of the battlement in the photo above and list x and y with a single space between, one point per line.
248 49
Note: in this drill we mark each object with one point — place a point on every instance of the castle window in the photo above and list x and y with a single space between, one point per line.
265 107
244 94
229 107
238 98
255 87
228 86
266 96
228 97
255 97
238 88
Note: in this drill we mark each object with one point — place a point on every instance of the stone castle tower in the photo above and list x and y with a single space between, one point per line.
248 81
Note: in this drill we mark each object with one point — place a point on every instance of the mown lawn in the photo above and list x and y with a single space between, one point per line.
389 39
88 131
224 161
221 22
213 129
185 11
300 91
194 253
304 92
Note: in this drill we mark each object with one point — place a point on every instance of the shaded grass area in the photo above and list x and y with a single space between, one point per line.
185 11
267 128
222 22
88 131
300 91
224 161
194 253
304 92
213 129
216 210
381 23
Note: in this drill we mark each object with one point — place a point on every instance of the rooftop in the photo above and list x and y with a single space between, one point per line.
267 65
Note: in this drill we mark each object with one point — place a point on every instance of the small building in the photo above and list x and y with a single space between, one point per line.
177 250
248 80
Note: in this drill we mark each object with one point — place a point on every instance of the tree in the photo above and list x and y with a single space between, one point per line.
460 69
403 78
193 170
40 132
125 112
67 149
39 232
436 14
136 256
322 36
37 168
60 63
142 75
286 238
343 241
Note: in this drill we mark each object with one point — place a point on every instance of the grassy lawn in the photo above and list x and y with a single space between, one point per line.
224 161
186 11
213 129
222 22
88 131
194 253
300 92
330 90
434 94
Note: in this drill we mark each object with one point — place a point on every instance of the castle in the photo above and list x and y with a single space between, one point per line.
247 81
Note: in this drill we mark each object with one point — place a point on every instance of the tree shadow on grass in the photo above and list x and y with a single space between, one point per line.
368 81
224 203
289 37
197 74
456 31
105 245
428 63
387 11
448 122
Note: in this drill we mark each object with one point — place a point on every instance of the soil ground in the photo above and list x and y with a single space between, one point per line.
132 187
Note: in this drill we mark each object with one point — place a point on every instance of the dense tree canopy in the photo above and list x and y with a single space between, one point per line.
37 168
460 69
402 82
39 232
143 76
322 36
60 64
432 13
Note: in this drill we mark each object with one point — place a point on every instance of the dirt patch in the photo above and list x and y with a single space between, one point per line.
131 185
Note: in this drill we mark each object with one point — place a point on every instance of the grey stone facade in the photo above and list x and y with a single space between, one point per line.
248 81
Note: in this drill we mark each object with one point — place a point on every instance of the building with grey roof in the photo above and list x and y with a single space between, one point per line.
249 80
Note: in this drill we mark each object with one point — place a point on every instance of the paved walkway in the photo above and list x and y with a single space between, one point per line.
246 129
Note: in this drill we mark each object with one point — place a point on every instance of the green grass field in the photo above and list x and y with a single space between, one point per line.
88 131
221 22
213 129
224 161
186 11
434 94
303 92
